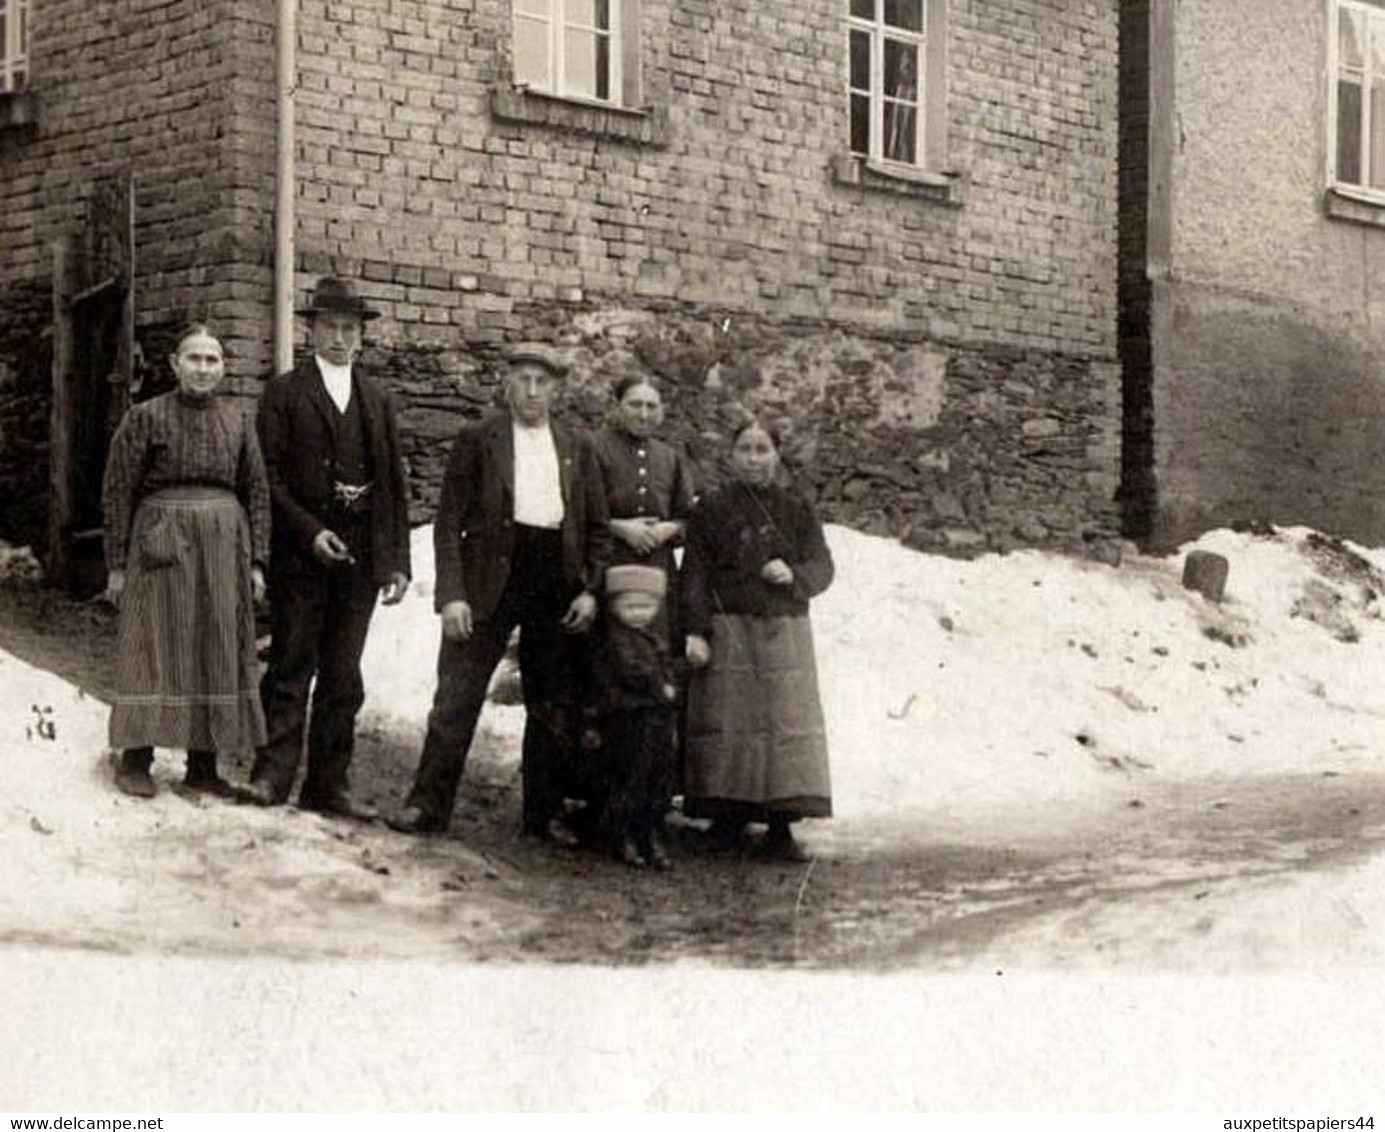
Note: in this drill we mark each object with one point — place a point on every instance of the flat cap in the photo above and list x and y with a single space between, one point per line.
539 354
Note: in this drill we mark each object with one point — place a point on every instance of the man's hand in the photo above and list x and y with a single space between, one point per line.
698 651
640 535
115 586
393 593
257 586
580 614
777 572
456 621
329 549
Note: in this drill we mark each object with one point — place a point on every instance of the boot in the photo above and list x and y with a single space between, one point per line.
658 854
202 777
132 773
780 845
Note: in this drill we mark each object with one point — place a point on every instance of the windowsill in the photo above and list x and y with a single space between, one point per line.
641 125
1355 205
18 110
945 188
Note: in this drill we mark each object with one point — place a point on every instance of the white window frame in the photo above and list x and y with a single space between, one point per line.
14 51
1374 15
930 119
623 54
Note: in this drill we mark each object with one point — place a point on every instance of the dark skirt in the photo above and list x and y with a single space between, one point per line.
756 744
187 675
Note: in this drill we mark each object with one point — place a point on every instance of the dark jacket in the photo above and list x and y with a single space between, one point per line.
295 428
631 669
473 535
732 533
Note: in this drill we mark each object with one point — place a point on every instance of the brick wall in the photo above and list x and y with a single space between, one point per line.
118 83
719 219
469 227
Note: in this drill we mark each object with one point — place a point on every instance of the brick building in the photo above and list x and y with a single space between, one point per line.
1252 265
890 222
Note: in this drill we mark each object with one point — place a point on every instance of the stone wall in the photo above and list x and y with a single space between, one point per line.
952 447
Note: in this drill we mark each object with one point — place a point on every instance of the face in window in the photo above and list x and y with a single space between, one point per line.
641 410
754 456
336 336
198 364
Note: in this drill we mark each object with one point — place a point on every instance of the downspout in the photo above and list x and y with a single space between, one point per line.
285 88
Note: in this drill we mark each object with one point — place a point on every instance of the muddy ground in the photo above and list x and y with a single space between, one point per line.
937 894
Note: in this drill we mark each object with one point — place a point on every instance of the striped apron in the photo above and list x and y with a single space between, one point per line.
187 672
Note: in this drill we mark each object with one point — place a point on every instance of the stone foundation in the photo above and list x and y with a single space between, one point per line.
950 447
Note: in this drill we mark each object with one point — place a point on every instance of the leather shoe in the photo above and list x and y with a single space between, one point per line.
339 806
558 832
414 819
258 792
135 781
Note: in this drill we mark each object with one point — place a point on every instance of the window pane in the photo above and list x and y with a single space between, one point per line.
1376 32
860 124
531 53
4 32
1350 33
901 70
860 60
532 8
1377 147
584 62
904 14
19 78
1349 133
901 132
863 9
588 13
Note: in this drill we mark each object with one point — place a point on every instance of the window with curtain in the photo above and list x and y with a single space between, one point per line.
888 46
14 45
575 48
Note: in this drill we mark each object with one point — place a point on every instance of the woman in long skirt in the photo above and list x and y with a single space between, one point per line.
186 535
756 746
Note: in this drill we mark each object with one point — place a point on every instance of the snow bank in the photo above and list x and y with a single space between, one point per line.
1011 681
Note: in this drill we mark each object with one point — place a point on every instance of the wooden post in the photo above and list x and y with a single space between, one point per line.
59 564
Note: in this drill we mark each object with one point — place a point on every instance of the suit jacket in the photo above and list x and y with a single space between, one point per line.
473 536
295 426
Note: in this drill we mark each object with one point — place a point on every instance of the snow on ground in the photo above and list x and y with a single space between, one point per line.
967 695
1006 681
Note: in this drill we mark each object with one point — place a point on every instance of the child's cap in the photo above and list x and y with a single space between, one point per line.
636 579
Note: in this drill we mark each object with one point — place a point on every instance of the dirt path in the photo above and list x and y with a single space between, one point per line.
908 894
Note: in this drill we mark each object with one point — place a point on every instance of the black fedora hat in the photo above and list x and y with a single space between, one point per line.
335 296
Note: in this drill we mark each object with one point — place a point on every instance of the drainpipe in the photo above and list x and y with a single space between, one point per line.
285 87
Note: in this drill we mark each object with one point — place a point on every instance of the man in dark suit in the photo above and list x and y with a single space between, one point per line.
341 536
521 538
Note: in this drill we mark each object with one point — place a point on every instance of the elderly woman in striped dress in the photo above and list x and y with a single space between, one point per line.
187 534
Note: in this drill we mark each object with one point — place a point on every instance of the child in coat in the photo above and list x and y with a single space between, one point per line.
633 707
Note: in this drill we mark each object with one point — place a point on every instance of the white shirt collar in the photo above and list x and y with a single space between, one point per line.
337 381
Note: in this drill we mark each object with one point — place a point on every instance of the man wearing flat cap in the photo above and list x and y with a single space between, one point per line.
341 538
521 538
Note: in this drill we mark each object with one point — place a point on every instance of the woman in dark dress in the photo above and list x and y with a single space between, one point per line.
756 745
649 487
187 535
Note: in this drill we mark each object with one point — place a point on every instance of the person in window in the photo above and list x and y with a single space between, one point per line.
187 519
756 747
